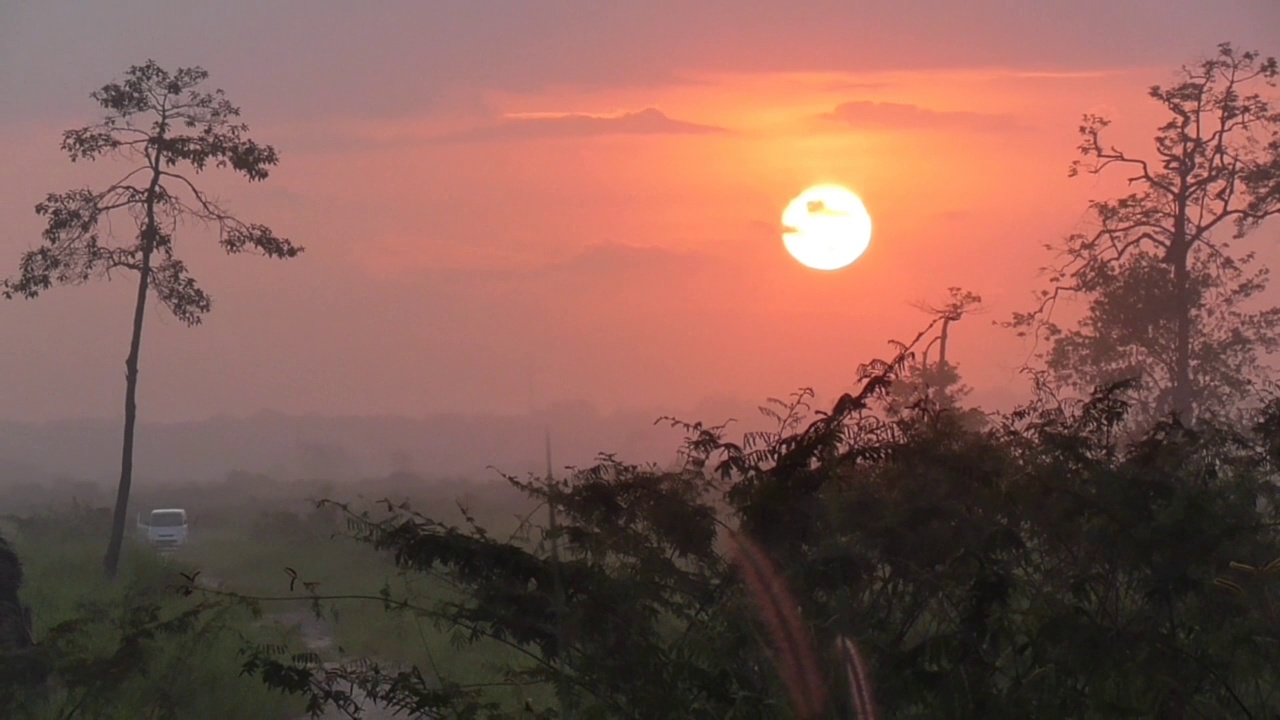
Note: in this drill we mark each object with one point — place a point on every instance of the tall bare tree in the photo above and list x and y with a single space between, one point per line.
168 130
1166 289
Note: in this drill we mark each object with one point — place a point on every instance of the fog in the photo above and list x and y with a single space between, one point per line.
338 448
573 239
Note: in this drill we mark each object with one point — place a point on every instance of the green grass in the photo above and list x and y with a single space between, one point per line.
251 558
244 547
195 674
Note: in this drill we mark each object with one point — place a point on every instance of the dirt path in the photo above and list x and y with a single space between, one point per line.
317 635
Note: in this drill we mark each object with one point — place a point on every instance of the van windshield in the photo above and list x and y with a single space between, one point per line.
168 519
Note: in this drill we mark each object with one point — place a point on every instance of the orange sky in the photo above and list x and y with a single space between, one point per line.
507 204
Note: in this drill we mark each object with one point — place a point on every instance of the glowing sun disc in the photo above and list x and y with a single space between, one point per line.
826 227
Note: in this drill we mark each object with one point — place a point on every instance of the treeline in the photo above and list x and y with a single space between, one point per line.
239 496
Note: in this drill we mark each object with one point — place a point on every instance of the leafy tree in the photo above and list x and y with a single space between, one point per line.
160 122
1166 289
1130 330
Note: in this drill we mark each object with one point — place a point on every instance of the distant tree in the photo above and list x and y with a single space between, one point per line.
1130 330
324 459
1166 291
159 121
936 384
929 390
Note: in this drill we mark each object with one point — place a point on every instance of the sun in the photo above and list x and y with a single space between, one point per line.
826 227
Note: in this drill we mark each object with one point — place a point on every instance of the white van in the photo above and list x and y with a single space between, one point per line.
165 528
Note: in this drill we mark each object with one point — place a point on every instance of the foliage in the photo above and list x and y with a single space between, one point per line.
146 116
15 632
1129 330
1166 290
157 121
1036 567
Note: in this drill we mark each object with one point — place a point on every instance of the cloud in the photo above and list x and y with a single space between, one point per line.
609 260
1062 74
327 58
844 84
649 121
905 116
600 263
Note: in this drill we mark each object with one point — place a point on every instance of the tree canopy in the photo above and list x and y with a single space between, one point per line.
1168 291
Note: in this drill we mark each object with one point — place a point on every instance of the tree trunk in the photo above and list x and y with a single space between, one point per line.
940 390
112 560
150 234
1182 394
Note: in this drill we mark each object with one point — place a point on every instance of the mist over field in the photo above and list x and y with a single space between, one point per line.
288 447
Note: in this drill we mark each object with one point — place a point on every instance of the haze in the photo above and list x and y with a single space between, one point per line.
510 207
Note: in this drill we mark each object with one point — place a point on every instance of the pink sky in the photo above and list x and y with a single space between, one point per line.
515 202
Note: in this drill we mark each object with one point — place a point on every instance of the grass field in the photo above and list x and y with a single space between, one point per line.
245 547
251 557
196 675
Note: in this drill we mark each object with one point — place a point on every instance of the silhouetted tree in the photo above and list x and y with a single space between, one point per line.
1130 330
15 618
932 380
1165 287
159 121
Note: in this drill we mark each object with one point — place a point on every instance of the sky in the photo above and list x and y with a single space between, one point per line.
511 204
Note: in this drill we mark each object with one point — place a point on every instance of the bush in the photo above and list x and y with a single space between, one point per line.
1036 567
